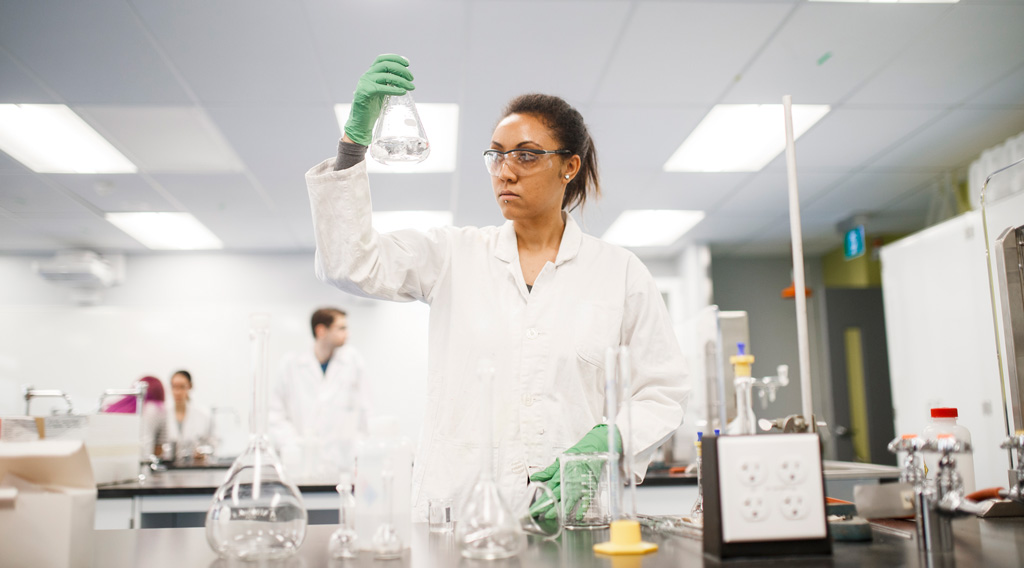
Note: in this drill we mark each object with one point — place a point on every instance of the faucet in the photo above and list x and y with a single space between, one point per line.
1016 492
768 386
937 504
31 392
912 469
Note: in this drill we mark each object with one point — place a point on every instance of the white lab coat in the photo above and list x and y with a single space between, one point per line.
318 412
194 430
547 346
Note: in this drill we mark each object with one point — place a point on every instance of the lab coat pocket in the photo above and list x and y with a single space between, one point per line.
597 327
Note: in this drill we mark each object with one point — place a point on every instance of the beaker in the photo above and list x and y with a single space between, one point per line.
586 497
398 136
257 514
488 529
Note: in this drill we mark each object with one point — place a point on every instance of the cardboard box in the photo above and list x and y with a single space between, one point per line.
47 521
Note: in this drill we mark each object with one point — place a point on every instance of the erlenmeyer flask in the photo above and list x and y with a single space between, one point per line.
257 514
398 136
488 530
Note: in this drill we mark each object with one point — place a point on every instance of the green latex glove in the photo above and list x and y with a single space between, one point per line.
596 440
387 76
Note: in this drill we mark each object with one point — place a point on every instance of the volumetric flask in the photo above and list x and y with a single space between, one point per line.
398 136
257 514
585 483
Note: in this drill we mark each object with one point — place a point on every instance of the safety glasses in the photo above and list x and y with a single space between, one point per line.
520 160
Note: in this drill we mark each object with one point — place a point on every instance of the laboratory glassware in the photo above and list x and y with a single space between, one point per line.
487 529
386 543
257 514
586 490
398 136
382 448
745 422
344 542
697 511
439 515
540 499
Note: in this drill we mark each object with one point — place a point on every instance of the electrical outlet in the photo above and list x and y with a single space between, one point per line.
770 488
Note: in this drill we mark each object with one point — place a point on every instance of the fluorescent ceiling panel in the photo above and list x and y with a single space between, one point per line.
388 221
166 231
440 122
740 138
52 139
168 139
651 228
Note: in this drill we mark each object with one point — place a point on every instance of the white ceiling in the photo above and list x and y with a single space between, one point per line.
225 104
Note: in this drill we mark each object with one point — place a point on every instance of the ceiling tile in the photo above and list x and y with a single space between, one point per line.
827 49
187 140
847 138
17 85
114 193
89 52
768 192
248 232
432 35
90 233
557 47
656 133
1007 91
30 194
9 165
971 47
17 237
239 51
664 55
864 192
954 140
225 194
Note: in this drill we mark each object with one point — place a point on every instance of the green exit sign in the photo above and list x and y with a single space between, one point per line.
853 244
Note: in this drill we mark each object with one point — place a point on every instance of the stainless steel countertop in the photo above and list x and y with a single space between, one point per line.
990 543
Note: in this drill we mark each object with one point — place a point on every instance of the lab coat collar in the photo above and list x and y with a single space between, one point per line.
507 249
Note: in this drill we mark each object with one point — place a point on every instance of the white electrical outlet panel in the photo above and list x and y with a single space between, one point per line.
771 488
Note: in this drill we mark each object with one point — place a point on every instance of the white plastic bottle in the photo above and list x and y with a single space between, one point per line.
384 448
943 421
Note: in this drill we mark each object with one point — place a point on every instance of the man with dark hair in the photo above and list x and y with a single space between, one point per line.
319 404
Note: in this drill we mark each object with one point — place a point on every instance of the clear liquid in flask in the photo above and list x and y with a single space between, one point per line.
398 136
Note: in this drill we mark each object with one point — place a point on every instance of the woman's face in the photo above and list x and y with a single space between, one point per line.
179 388
526 191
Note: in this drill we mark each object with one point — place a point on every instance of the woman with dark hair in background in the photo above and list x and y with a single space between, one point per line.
188 426
535 296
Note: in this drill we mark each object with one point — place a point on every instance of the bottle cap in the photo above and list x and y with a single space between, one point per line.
909 436
944 413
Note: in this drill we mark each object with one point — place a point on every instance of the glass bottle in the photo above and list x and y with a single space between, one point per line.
386 543
344 542
398 136
257 514
697 512
488 530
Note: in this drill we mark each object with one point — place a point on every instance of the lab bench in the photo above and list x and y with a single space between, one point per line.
992 543
179 498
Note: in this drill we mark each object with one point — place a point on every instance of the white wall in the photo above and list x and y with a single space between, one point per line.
938 318
191 311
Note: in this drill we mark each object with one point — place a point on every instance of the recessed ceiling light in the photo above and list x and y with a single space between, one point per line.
440 122
166 231
740 138
388 221
651 228
52 139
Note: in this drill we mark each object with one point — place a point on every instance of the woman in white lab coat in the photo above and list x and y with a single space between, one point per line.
188 425
536 296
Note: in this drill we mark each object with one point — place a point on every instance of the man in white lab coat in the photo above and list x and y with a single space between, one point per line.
319 403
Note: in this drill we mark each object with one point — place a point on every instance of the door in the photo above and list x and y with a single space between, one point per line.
859 360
